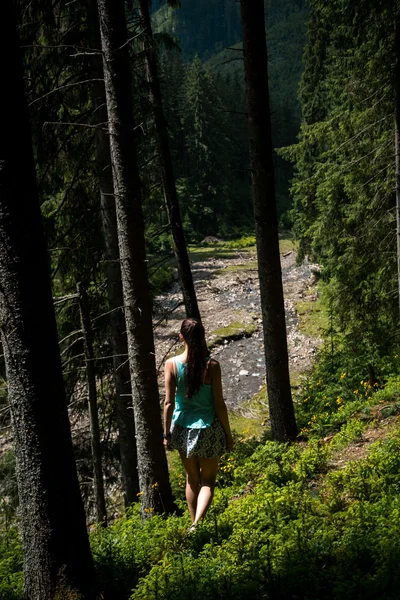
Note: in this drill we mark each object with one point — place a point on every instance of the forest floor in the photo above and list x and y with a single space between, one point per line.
227 286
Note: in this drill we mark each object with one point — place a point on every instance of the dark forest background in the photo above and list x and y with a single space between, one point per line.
203 88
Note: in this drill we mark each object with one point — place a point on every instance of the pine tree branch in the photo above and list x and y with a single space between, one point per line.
62 87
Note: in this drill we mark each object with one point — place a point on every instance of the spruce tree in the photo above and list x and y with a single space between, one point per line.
56 548
204 125
167 170
281 410
123 389
344 184
152 463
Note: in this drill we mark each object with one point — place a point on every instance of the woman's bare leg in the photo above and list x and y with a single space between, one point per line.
208 467
192 469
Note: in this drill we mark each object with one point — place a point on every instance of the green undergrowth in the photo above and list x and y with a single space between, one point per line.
236 248
250 420
271 532
287 244
217 250
161 279
313 318
11 578
250 266
286 522
250 423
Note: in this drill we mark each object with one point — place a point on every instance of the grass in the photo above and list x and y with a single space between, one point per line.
236 248
313 317
296 379
248 426
287 244
251 418
235 268
203 253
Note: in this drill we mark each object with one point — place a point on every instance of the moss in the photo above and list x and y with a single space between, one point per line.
234 331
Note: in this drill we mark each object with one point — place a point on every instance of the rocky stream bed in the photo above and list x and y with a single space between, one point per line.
228 293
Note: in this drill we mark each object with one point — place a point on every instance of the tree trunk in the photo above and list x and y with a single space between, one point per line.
98 482
55 542
283 422
119 344
167 171
397 140
152 463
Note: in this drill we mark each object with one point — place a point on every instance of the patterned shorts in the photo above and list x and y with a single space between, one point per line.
209 442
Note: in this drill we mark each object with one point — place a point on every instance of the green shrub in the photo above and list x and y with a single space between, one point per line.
161 279
246 241
11 576
282 541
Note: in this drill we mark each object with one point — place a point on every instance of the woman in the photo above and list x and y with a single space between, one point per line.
195 417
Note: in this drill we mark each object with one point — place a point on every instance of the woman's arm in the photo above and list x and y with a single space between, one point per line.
219 403
169 403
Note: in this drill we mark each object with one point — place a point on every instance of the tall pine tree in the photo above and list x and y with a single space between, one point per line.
281 409
152 463
55 542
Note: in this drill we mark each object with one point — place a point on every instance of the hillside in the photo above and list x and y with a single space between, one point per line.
211 31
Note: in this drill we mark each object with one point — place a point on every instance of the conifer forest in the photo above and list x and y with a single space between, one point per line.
232 162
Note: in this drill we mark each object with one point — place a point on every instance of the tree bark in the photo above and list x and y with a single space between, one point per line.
119 344
55 542
98 482
167 170
152 463
397 139
281 410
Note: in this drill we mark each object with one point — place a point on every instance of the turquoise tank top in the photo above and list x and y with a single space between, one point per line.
196 412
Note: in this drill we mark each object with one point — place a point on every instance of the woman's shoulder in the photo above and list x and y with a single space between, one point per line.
172 364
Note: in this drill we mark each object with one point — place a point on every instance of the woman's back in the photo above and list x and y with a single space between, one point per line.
198 411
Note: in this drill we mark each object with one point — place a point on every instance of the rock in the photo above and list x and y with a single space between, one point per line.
209 239
243 372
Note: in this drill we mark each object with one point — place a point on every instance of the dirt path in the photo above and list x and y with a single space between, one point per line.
228 292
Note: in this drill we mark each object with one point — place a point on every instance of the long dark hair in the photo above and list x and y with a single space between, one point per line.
193 333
